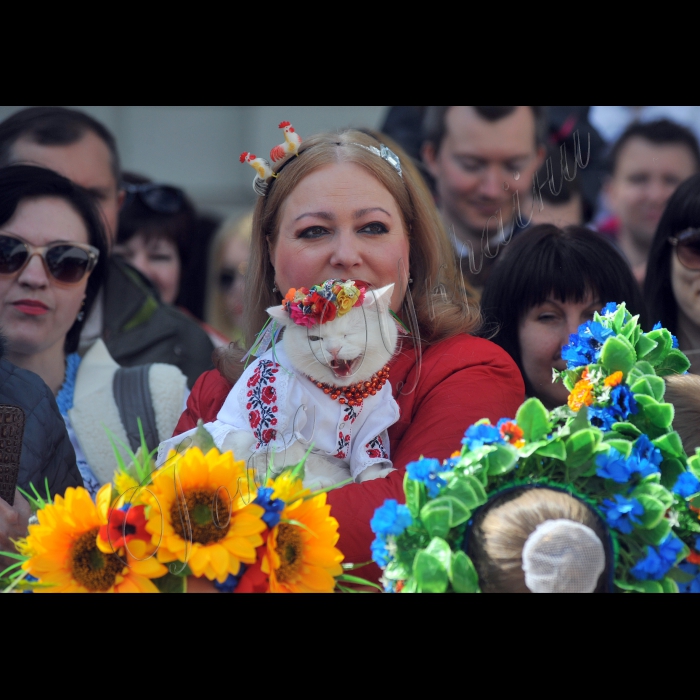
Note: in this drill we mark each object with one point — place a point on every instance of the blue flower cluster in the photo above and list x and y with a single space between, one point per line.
692 586
427 471
273 506
687 485
229 585
482 434
644 460
609 310
390 519
584 346
659 559
622 513
622 405
674 340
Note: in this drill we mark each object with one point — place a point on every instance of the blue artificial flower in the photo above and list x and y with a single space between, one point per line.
645 457
578 352
623 402
482 434
229 585
622 513
380 553
613 465
658 560
390 518
686 485
426 470
610 309
595 330
273 506
692 586
602 417
657 326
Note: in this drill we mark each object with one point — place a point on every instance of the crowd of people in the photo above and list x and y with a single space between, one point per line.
502 229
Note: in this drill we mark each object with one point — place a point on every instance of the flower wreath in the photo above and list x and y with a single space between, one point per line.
323 302
612 446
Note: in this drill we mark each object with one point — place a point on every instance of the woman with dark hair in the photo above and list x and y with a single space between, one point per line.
53 255
546 283
672 284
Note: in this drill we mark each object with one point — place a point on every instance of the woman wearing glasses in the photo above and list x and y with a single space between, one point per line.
672 284
53 255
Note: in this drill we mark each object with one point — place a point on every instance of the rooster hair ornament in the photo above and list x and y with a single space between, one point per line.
263 170
291 144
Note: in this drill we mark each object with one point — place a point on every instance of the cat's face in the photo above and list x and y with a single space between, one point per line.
349 349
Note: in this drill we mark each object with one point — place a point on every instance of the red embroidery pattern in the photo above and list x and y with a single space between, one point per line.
262 402
343 444
375 448
350 413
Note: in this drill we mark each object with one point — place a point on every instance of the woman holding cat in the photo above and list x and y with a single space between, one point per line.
349 208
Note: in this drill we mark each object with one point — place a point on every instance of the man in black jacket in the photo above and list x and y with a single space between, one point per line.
47 454
136 327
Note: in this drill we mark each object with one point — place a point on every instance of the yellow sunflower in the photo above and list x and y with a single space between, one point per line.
68 554
201 513
300 555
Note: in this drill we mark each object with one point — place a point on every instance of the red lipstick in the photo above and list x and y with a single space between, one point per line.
31 307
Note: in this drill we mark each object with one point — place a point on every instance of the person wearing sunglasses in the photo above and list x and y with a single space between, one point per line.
672 284
53 253
157 235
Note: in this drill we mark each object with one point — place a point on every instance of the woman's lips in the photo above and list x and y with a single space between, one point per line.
30 307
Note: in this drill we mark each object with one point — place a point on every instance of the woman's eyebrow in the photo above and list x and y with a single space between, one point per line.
325 215
361 212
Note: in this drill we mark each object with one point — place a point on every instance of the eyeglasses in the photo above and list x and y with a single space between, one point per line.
67 263
164 199
687 244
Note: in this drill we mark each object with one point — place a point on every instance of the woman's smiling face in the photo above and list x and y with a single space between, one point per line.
36 313
341 222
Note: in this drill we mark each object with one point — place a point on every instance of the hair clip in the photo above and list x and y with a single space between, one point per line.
263 170
291 144
386 153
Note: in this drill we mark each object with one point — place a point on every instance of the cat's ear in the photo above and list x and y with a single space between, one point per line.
278 313
381 297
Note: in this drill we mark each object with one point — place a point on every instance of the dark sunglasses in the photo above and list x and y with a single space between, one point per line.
67 263
164 199
687 245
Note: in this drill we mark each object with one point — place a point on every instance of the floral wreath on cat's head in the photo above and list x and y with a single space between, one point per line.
324 302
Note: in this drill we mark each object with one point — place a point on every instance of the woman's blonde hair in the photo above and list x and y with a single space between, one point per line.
437 293
215 309
501 529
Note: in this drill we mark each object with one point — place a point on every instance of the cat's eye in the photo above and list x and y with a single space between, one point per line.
374 227
314 338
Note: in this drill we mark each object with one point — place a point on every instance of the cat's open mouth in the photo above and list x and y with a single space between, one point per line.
344 368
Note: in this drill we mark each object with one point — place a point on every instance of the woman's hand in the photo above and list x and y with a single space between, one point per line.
13 525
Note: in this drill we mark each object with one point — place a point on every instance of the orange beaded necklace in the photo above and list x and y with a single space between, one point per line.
355 394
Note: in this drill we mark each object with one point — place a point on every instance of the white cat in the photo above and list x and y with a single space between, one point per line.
276 410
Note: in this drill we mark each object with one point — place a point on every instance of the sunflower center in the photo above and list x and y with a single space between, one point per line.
92 568
209 515
289 549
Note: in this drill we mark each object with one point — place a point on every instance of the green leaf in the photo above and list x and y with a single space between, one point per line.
627 429
651 386
171 584
680 576
581 446
674 363
468 490
664 343
694 464
669 585
618 355
656 534
654 511
463 574
657 491
436 516
644 345
501 460
533 419
628 329
531 447
412 489
555 449
670 444
440 550
622 446
671 469
429 572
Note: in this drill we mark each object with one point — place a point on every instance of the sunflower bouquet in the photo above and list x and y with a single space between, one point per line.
200 515
612 446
